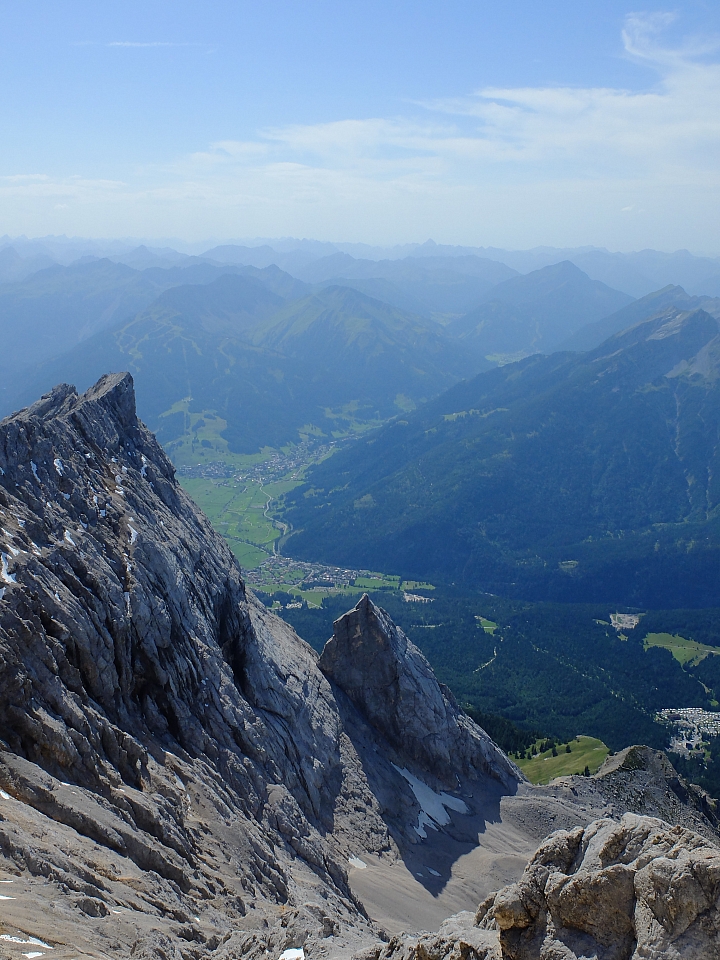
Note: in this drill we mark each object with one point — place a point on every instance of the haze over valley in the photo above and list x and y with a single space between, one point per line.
360 482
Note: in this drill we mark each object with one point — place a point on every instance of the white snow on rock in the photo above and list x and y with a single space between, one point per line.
33 466
357 862
59 466
292 954
69 539
133 535
30 942
433 806
4 572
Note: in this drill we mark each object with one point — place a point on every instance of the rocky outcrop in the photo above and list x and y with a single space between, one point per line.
391 683
637 888
179 777
626 890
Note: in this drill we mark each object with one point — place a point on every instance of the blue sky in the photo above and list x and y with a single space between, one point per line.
511 124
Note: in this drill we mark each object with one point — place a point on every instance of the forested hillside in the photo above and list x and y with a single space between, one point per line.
590 477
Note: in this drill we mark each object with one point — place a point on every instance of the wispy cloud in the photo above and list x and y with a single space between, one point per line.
150 43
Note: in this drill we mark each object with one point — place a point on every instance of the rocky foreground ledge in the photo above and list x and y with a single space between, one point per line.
182 777
611 891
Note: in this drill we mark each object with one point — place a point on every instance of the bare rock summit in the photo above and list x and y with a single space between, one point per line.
391 683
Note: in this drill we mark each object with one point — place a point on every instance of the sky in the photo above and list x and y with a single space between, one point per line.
510 124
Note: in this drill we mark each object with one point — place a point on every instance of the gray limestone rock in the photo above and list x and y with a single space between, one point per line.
392 685
616 891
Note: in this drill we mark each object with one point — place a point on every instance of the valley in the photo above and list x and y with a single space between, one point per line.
514 522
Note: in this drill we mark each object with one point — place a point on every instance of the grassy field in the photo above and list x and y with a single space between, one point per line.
238 510
489 626
586 751
684 651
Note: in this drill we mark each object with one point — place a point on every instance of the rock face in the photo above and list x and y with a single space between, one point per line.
626 890
391 683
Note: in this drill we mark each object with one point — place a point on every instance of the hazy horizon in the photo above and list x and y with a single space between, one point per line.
198 247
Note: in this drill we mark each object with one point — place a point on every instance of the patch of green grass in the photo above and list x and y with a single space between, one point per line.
239 511
380 582
489 626
684 651
585 751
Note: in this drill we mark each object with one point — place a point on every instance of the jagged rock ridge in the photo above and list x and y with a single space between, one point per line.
177 736
392 684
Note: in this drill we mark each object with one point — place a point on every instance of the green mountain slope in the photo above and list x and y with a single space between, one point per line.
379 349
537 311
591 477
263 369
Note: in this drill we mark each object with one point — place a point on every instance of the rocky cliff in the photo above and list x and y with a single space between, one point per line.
180 776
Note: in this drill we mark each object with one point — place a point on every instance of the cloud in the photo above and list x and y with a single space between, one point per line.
152 43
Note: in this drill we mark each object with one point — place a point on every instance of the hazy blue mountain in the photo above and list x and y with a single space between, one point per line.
14 268
440 286
593 334
261 367
263 256
59 306
387 291
140 258
574 477
383 351
535 312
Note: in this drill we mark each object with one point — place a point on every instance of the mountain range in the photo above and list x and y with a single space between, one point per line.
266 355
535 312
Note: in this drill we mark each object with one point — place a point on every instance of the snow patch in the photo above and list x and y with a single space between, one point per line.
5 573
69 539
67 496
433 806
59 466
432 872
33 467
357 862
143 471
292 954
5 796
133 535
